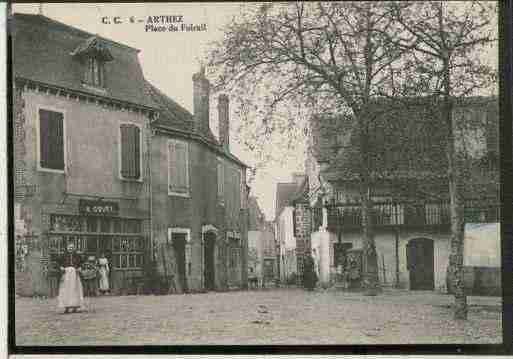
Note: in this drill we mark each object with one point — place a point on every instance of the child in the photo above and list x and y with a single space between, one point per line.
89 275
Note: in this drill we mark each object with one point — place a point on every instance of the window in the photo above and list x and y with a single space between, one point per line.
178 168
95 73
220 180
93 235
51 140
130 151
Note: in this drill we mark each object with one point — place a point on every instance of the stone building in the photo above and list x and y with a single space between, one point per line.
409 190
199 202
105 160
81 130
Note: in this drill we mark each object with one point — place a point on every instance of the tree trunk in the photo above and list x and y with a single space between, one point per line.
456 207
370 278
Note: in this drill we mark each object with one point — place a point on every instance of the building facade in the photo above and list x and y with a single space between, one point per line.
105 160
411 223
199 206
81 129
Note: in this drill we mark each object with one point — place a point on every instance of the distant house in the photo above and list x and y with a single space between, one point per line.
106 160
409 188
261 246
285 194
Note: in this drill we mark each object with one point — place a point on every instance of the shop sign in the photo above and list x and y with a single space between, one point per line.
98 208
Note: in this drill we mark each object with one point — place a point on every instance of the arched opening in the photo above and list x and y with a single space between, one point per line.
420 263
209 260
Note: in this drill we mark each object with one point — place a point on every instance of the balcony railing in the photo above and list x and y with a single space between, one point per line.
414 214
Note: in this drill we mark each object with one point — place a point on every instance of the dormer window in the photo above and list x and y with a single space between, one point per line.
93 53
94 72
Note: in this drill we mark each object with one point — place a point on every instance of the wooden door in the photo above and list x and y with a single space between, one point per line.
179 243
420 262
209 263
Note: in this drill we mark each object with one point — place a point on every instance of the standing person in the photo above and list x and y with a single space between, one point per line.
71 296
103 270
316 263
309 275
89 273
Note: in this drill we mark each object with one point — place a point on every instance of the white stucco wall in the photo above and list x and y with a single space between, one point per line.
385 247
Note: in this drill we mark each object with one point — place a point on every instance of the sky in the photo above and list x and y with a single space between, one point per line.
169 59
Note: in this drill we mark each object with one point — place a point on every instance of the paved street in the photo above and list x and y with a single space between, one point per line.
275 316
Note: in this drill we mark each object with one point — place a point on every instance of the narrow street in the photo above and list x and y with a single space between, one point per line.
269 316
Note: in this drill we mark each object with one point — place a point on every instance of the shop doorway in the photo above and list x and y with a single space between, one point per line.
209 260
420 262
179 243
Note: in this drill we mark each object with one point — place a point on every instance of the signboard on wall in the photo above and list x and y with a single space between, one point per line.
98 208
482 246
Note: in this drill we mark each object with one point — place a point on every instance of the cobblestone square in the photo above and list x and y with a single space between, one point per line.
270 316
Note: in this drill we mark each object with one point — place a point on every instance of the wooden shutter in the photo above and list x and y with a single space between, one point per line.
51 139
137 152
130 151
172 168
181 160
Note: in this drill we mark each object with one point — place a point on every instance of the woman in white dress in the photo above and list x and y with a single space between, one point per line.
103 269
71 295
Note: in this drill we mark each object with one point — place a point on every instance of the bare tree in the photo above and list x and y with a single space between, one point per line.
321 58
445 39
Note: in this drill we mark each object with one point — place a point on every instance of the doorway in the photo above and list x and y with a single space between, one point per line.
420 263
209 260
179 243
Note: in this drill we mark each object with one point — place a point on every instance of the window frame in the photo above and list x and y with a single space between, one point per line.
90 74
179 230
120 152
187 178
38 139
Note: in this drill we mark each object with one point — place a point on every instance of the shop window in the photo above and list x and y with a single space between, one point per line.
130 151
126 248
178 168
51 140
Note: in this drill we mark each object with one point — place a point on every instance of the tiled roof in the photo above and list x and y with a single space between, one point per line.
42 51
405 142
284 196
174 117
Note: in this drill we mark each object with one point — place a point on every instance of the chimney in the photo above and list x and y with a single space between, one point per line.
200 94
223 108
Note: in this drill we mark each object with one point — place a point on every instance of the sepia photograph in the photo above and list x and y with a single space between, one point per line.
255 174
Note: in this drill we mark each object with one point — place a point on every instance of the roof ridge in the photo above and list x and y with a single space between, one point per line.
76 29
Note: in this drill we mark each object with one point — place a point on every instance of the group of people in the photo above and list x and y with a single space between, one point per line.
81 278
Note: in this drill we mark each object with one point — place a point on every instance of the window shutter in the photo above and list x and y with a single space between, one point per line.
130 152
181 173
58 141
124 151
172 168
137 152
51 139
44 122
